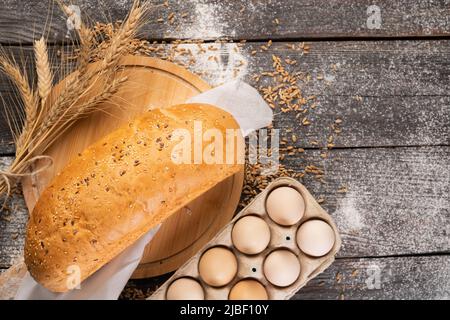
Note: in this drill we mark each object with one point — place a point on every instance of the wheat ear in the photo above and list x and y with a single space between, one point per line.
78 86
91 105
121 40
86 40
28 96
44 73
21 81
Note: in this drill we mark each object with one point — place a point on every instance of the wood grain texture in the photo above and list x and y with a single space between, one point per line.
240 19
13 224
386 93
399 278
352 279
397 201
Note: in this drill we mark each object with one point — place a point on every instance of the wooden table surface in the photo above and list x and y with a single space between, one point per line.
388 80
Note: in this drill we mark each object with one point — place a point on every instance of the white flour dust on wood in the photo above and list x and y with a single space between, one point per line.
208 21
216 63
396 203
349 213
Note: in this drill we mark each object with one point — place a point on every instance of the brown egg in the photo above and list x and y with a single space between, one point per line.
248 289
285 206
185 289
250 235
218 266
315 238
281 267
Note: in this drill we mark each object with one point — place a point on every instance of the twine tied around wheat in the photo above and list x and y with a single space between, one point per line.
9 176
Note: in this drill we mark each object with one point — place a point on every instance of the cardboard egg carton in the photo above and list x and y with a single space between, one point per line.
251 266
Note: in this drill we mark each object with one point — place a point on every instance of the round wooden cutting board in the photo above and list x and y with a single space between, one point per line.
151 83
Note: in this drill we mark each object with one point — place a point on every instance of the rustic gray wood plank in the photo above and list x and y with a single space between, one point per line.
382 278
350 279
12 225
397 199
397 203
356 279
375 121
387 93
7 147
366 68
256 19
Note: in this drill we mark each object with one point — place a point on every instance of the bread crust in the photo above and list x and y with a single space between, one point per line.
115 191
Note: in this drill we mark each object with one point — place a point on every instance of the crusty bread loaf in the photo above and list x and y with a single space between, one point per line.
116 190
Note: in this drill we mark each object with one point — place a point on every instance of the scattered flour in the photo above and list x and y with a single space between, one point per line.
207 23
348 213
329 77
217 63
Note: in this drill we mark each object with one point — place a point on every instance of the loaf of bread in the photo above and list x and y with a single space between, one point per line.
118 189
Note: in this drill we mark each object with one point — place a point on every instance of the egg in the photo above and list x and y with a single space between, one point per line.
281 267
315 238
248 289
250 235
218 266
285 206
185 289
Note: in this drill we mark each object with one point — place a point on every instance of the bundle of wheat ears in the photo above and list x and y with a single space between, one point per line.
44 114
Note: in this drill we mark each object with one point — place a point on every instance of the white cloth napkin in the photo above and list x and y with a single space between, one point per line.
250 111
105 284
241 100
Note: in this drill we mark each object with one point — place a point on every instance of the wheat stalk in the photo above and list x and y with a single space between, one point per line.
126 33
44 73
66 106
21 81
86 40
78 86
28 96
91 105
84 91
93 102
